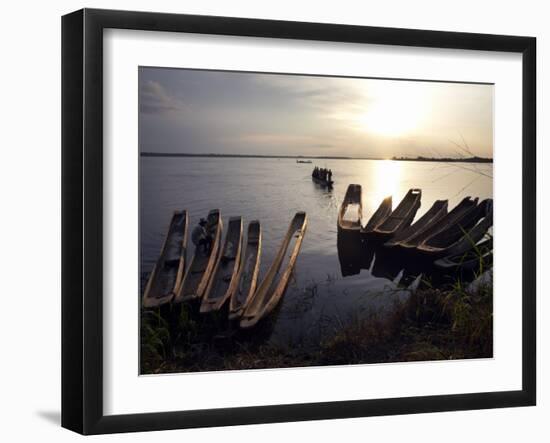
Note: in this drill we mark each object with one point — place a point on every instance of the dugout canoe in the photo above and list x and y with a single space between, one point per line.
478 257
249 271
323 183
380 215
401 217
352 201
271 290
461 236
202 264
432 216
168 271
223 282
465 207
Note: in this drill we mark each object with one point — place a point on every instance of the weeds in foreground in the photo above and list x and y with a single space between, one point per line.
432 324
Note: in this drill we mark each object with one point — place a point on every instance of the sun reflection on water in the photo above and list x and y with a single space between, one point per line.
385 182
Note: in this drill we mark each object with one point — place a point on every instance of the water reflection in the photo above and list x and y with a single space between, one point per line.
387 177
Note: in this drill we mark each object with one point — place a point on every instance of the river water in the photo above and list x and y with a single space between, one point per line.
318 298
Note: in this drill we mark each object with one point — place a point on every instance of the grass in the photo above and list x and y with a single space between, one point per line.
433 324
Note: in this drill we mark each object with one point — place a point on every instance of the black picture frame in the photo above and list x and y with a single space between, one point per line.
82 216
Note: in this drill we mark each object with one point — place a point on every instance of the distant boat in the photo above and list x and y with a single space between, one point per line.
462 236
200 269
224 281
248 273
434 215
352 207
401 217
324 183
303 161
379 216
170 266
271 290
465 207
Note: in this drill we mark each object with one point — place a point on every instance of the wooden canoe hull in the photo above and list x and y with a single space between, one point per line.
223 282
463 235
353 196
248 273
379 216
169 269
401 217
200 269
270 291
468 260
324 183
433 215
455 215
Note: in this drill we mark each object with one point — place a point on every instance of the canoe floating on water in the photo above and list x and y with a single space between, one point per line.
323 183
476 258
248 273
351 210
168 271
271 290
433 216
460 237
202 264
401 217
457 213
379 216
223 282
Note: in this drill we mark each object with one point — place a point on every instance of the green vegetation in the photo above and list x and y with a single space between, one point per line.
433 324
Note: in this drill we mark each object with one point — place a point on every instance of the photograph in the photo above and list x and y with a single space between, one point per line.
290 220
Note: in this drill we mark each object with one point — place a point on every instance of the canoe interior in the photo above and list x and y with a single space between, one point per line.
199 270
380 215
168 271
249 270
461 229
403 214
469 259
433 215
272 287
224 275
466 205
351 210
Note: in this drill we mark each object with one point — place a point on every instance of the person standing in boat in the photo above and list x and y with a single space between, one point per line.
329 175
201 237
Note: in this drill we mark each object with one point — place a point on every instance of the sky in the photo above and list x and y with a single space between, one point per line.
198 111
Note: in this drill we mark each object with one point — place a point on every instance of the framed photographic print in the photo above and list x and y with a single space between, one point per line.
269 221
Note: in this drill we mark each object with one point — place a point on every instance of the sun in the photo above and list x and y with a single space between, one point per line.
394 110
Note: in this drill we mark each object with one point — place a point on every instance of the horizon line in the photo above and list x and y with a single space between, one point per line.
473 158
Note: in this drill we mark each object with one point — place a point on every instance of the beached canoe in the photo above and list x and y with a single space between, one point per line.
461 236
223 282
202 264
379 216
432 216
465 207
323 183
351 210
249 271
271 289
401 217
477 258
168 271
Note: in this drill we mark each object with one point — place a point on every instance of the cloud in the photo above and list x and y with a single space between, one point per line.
153 99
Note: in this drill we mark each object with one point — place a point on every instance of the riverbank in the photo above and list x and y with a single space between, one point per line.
433 324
